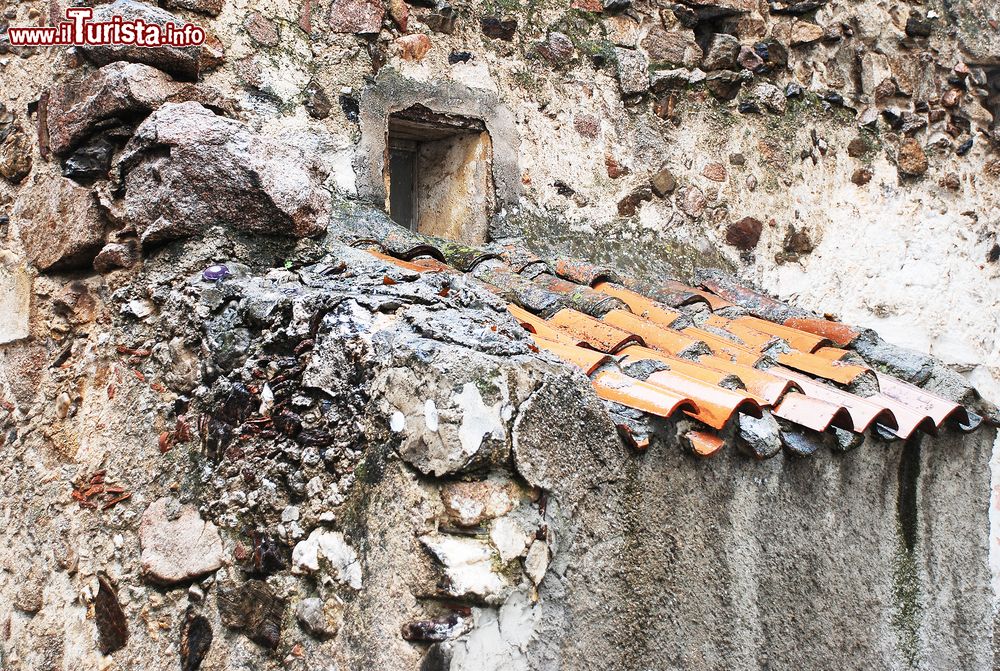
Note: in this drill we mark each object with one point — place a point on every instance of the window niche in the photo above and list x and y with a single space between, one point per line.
439 174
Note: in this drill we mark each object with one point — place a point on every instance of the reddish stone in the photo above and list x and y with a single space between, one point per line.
861 176
356 16
715 172
745 233
413 47
400 13
614 169
587 125
261 30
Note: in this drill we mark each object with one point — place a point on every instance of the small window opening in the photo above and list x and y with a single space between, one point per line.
439 174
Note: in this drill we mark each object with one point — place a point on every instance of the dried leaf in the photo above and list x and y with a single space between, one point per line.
112 627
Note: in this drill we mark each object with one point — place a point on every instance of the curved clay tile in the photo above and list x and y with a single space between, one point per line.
655 336
704 443
658 313
908 419
863 411
578 296
937 408
406 265
585 272
760 383
636 353
842 334
598 334
838 371
800 340
632 393
587 359
812 413
724 347
715 404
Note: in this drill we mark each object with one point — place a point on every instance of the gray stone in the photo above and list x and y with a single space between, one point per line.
321 619
122 91
218 172
177 545
633 74
356 16
722 53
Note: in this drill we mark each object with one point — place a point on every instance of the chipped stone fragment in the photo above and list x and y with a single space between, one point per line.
745 233
321 619
196 639
328 548
536 563
177 545
468 566
911 160
356 16
632 68
722 53
253 608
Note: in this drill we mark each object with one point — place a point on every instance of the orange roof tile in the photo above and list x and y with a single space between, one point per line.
657 337
863 412
598 334
715 404
406 265
832 353
620 388
800 340
724 347
704 443
752 338
658 313
758 382
842 334
715 302
587 359
838 371
540 327
812 413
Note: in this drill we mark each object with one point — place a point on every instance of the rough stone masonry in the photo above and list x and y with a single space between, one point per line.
230 441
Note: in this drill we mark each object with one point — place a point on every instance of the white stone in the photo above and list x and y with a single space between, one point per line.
331 547
468 565
177 545
509 538
537 561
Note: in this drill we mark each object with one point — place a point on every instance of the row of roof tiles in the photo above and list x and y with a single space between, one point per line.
720 354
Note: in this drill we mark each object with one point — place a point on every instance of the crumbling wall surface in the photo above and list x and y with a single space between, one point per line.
865 560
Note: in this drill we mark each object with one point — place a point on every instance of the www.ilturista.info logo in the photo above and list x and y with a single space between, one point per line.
79 30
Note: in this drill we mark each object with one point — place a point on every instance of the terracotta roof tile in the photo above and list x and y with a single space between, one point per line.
539 326
841 334
704 443
863 412
752 301
578 296
812 413
600 335
659 313
907 419
920 400
800 340
657 337
758 382
838 371
715 404
519 290
724 347
651 398
587 359
584 272
752 338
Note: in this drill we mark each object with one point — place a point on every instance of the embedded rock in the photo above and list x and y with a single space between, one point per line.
254 609
217 172
210 7
911 161
557 48
356 16
184 62
745 233
177 545
468 567
663 182
804 32
413 47
328 549
117 91
722 53
672 46
633 76
60 223
15 148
